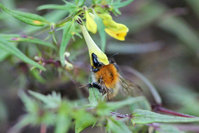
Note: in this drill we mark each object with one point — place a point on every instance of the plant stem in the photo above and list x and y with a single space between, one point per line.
49 61
159 108
43 128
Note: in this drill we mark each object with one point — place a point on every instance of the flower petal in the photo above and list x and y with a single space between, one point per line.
117 35
90 23
93 48
114 29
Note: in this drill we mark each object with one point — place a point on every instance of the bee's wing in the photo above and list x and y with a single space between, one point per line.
129 88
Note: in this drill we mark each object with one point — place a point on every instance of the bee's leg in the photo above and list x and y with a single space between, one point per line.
94 69
96 85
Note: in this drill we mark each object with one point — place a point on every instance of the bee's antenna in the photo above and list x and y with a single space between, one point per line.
113 55
111 59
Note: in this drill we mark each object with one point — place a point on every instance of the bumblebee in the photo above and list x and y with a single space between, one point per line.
107 80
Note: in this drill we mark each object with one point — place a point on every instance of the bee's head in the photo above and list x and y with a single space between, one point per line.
96 63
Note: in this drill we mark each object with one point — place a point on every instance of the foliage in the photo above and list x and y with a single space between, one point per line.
61 113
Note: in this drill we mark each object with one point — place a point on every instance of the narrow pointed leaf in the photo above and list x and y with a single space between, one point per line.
68 6
65 40
33 40
145 116
28 18
15 51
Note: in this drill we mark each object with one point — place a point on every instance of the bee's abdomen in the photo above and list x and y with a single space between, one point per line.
109 75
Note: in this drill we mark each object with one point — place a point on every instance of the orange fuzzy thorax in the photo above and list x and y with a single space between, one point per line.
109 75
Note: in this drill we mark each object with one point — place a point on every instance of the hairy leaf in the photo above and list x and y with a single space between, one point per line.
145 116
94 96
50 101
83 120
105 108
63 120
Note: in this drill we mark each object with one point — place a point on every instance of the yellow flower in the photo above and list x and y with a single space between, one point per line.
114 29
116 33
93 48
90 23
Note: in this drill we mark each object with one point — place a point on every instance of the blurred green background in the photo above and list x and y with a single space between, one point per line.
162 44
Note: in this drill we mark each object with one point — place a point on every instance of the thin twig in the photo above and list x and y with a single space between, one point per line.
43 128
48 61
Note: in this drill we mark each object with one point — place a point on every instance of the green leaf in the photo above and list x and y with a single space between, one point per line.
57 15
28 18
25 38
30 104
47 118
145 117
65 40
69 6
122 4
63 121
8 36
83 120
128 101
80 2
116 126
100 28
104 108
13 50
51 101
33 40
94 96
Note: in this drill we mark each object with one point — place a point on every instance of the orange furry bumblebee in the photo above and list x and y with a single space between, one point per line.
107 79
109 75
